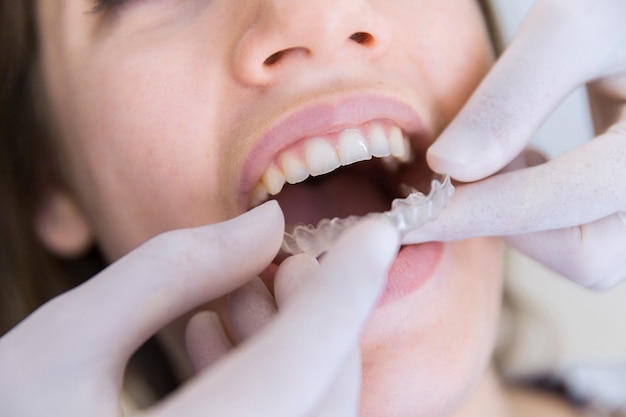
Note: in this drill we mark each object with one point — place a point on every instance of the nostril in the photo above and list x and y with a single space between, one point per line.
282 54
274 58
362 38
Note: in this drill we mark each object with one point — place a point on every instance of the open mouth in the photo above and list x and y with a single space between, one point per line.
332 180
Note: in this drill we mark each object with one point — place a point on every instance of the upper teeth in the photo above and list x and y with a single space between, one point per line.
322 154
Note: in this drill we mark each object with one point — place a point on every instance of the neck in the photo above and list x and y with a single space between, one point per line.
489 399
492 398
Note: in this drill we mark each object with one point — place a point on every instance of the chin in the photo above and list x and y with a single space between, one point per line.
425 354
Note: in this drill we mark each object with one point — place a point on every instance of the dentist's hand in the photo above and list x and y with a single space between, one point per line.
67 359
566 212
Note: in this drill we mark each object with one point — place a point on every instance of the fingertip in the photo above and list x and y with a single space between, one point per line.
452 157
469 152
377 241
269 211
465 164
291 275
383 235
266 220
441 163
298 262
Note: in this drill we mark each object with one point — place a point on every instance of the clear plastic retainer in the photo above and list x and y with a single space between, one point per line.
407 214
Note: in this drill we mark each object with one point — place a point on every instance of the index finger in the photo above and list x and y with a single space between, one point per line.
120 308
288 368
582 186
560 46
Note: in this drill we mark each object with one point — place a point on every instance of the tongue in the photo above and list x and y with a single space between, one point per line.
335 196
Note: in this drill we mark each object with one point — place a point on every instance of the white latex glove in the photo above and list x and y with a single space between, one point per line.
67 359
564 213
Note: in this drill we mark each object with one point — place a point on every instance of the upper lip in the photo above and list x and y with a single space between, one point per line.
324 116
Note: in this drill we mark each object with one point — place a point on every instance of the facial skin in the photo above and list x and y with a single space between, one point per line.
159 106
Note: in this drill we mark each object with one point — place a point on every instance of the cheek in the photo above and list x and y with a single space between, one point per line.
436 345
449 50
142 145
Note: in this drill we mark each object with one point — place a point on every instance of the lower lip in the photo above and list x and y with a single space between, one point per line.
413 267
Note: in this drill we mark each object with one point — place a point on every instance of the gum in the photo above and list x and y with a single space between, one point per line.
407 214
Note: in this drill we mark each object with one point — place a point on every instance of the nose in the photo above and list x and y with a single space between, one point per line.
286 33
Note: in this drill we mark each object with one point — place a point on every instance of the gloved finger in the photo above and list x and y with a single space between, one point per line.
291 276
292 362
582 186
118 309
344 397
205 340
250 307
593 254
560 45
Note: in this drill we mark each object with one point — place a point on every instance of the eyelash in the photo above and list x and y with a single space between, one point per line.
104 5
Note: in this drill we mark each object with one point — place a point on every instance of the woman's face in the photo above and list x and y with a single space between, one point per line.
169 114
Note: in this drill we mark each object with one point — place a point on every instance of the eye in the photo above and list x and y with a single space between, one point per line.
104 5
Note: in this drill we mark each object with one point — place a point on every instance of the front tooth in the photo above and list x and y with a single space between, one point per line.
352 147
295 171
397 143
273 180
320 157
408 153
379 145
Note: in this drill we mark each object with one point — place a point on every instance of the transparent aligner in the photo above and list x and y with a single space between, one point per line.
407 214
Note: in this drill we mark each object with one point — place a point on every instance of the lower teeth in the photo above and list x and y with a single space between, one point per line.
407 214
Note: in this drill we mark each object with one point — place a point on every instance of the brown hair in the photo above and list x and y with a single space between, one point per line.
29 275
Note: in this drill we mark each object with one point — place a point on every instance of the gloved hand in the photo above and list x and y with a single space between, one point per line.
568 213
67 358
